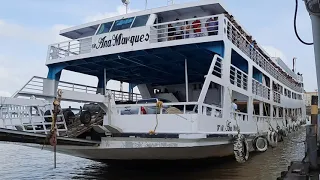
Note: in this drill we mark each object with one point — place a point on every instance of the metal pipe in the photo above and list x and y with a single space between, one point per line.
314 113
55 156
186 76
104 81
126 8
311 140
311 134
316 39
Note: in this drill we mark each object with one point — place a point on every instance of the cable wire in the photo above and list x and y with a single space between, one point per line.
295 25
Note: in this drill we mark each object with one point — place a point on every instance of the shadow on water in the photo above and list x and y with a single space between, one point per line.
18 162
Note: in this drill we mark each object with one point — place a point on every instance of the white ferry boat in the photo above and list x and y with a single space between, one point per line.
207 89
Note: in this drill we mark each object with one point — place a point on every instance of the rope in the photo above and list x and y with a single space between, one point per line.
159 105
52 136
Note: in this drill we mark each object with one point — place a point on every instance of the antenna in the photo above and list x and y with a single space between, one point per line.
146 5
294 64
170 2
126 3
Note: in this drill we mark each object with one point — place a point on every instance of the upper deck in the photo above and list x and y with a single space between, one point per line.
153 38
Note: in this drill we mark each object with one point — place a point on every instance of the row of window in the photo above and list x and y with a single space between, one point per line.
287 92
121 24
292 95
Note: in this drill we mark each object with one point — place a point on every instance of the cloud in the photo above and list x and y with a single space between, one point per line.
17 68
120 10
5 94
274 52
39 35
14 73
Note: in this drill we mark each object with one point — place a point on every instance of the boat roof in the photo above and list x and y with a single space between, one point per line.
172 10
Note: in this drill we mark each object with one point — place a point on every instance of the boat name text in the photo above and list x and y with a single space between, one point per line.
119 39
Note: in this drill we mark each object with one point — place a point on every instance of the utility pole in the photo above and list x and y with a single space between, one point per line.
313 7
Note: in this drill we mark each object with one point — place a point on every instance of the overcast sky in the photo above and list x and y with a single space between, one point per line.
27 27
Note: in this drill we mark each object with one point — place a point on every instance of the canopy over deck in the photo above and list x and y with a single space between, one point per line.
198 7
153 66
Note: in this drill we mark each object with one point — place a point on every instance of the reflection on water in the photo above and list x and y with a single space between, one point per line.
18 162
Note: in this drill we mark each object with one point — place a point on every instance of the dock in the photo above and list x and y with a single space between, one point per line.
308 167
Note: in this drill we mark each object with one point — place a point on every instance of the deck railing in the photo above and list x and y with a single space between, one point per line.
217 69
30 119
36 86
238 39
70 48
239 116
170 108
238 77
276 97
260 89
185 29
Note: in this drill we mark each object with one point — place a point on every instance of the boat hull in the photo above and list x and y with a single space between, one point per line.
184 150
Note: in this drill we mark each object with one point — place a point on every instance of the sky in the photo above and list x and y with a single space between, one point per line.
28 27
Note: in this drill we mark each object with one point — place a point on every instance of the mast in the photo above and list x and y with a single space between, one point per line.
126 3
293 64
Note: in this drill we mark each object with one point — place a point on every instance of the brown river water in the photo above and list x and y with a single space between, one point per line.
19 162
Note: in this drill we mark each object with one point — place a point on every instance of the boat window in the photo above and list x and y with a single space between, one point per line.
122 24
104 28
140 21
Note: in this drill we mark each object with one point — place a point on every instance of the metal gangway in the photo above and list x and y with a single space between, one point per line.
29 115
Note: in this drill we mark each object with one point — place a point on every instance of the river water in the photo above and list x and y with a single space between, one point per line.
19 162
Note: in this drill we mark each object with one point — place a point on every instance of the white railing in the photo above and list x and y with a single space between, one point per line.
70 48
276 97
238 77
35 86
238 39
217 69
260 89
278 119
30 119
210 110
262 119
170 108
238 116
185 29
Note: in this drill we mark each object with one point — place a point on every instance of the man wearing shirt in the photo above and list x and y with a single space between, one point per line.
196 25
212 26
234 105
